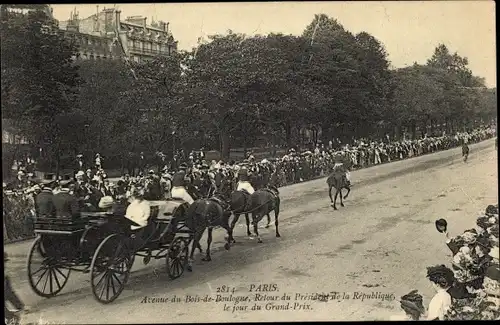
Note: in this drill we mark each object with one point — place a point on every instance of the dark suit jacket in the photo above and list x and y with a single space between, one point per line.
44 204
66 205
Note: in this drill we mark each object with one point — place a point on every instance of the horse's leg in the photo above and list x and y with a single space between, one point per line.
229 240
247 219
196 243
276 216
341 199
335 199
268 220
330 192
235 220
209 242
348 191
255 227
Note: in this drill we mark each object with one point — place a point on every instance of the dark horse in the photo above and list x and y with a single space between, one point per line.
209 213
259 204
338 181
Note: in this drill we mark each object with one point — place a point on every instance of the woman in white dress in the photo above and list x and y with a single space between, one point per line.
441 278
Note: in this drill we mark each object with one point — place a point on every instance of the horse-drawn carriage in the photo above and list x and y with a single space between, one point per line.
104 245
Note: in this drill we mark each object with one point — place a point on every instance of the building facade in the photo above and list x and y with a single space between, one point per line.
105 35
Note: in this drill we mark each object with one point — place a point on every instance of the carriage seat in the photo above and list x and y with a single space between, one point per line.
165 209
62 225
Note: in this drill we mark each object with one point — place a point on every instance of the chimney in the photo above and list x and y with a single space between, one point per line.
117 19
163 25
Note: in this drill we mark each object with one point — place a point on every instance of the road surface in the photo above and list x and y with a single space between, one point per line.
378 245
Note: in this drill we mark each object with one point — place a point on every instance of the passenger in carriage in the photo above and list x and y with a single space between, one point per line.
44 201
66 204
138 210
179 187
243 181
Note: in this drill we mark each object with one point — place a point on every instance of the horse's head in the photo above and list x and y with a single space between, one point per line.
226 187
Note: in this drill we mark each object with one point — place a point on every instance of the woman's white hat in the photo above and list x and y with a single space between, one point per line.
494 252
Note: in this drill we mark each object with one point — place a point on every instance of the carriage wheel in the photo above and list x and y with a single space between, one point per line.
45 274
110 268
177 257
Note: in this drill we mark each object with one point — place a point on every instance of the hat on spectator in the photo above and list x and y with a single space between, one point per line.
412 303
65 183
441 225
491 210
494 252
106 202
80 174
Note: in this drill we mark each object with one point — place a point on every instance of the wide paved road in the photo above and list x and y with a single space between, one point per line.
379 244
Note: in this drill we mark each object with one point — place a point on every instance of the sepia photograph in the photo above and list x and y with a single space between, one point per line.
215 162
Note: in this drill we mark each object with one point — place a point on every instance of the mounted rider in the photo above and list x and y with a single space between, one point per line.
340 167
244 181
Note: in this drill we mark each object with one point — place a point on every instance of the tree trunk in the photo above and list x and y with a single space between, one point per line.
413 128
273 149
245 148
57 166
288 134
397 133
225 145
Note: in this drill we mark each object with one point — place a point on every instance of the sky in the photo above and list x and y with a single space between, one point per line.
409 30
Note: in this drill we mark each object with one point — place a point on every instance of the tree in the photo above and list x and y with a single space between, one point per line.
39 80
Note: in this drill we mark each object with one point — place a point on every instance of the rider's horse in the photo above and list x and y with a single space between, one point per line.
259 204
208 213
338 181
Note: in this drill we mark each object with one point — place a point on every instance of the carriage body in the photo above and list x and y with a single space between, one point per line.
63 245
165 236
105 246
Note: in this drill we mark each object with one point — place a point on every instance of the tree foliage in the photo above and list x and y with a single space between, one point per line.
39 80
230 91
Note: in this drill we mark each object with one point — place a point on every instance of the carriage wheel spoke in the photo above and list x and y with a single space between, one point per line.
59 271
111 280
56 279
179 267
45 283
103 276
104 286
51 272
107 286
117 279
43 268
41 277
